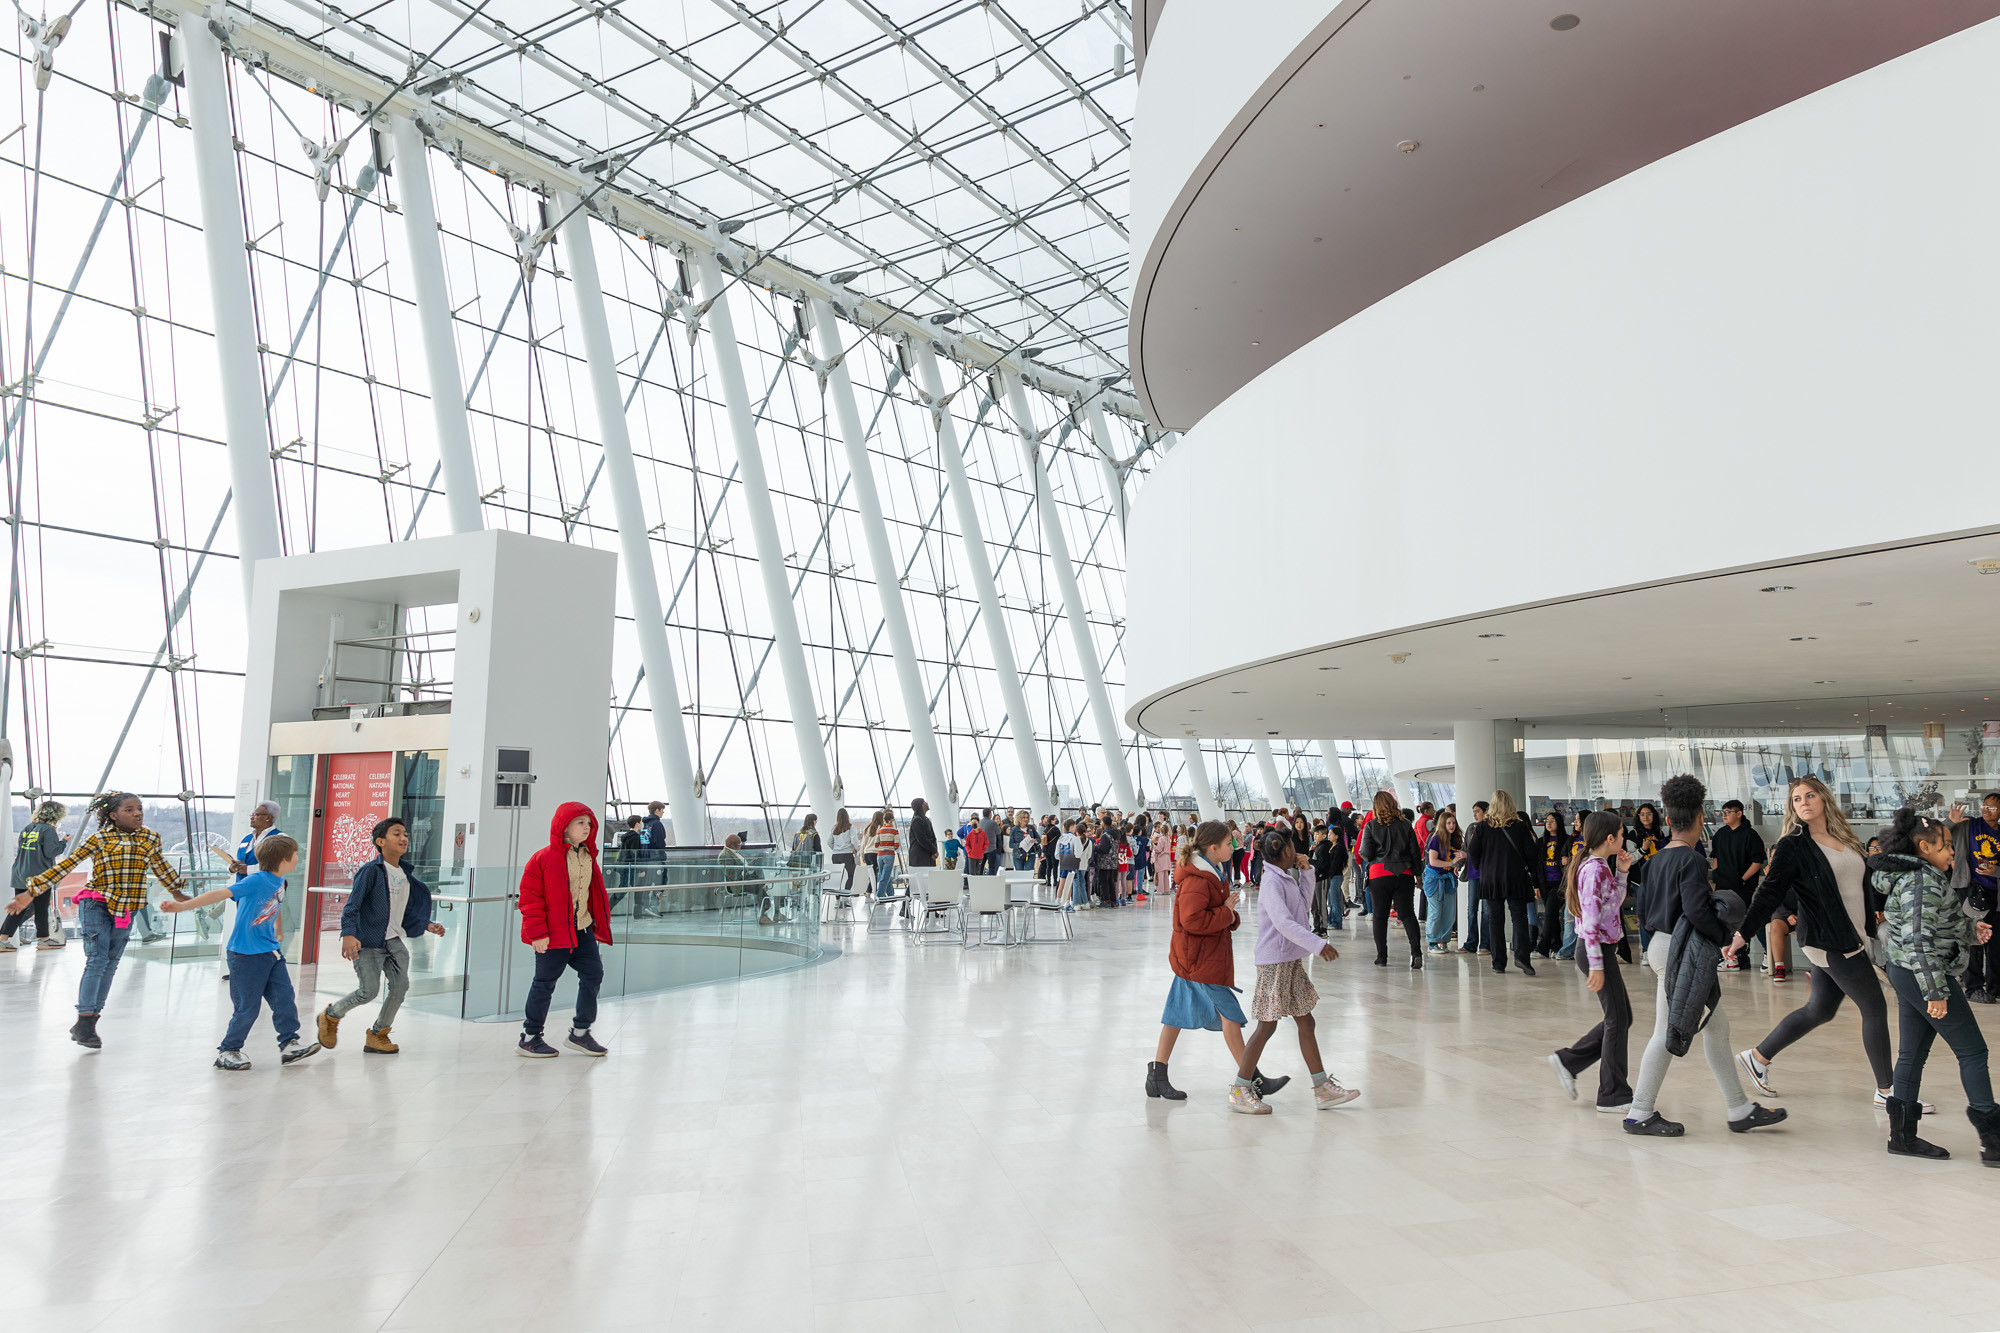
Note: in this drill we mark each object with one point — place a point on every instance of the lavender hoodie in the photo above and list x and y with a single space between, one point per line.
1284 915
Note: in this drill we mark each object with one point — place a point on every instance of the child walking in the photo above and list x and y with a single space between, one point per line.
257 972
388 907
1595 892
1204 962
566 920
1284 941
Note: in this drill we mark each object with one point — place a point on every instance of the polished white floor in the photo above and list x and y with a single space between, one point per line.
922 1138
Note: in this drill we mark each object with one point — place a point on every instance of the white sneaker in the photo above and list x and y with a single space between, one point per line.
231 1060
1882 1104
1245 1101
1567 1079
292 1052
1613 1110
1330 1094
1760 1074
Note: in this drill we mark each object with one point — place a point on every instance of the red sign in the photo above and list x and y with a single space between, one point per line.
357 797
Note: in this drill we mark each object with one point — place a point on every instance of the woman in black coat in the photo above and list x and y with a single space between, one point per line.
1503 847
1389 847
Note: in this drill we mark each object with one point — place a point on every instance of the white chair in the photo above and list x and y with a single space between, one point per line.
942 896
906 897
985 898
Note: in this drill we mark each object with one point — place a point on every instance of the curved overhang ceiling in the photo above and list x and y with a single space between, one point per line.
1305 210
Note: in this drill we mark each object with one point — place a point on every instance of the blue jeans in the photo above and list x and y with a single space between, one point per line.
256 979
103 946
1568 949
885 870
1917 1030
586 961
1441 894
1336 901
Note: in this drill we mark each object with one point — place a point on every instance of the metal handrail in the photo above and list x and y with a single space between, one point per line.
752 880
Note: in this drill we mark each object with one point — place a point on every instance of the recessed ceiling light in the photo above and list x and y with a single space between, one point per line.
1255 343
1564 22
1493 636
1624 678
1805 638
1777 587
1239 691
1864 603
1329 668
1492 659
1408 146
1909 641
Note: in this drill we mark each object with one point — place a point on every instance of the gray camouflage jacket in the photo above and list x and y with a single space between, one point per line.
1928 931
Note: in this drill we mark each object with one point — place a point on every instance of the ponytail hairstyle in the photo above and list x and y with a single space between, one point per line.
1908 830
103 805
1209 833
1597 826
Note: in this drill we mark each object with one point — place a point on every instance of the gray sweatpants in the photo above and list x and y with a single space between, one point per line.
369 969
1714 1045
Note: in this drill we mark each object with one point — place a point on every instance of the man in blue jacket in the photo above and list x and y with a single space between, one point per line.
388 906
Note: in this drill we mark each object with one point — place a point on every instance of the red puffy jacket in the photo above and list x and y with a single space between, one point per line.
547 910
1201 948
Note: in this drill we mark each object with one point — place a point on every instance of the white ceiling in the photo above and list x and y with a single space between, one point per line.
1313 214
1882 626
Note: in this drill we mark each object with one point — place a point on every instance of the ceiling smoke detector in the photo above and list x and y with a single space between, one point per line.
1408 146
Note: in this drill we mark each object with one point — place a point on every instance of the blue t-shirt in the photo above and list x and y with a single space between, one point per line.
257 898
1985 852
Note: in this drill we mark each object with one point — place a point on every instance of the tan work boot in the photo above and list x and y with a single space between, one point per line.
329 1028
378 1042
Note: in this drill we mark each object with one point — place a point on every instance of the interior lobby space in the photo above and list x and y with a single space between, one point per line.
925 1138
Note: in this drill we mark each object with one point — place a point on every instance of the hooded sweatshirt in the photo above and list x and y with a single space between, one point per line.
550 906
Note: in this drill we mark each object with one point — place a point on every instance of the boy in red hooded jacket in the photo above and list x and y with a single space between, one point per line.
565 917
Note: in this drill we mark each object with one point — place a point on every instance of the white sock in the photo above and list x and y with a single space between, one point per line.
1742 1112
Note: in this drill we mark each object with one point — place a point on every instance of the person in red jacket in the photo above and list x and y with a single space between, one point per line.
1204 962
565 917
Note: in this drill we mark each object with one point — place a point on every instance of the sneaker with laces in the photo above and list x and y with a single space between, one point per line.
231 1060
1245 1101
534 1048
8 946
1882 1104
295 1051
1330 1094
1758 1072
1563 1076
50 943
584 1042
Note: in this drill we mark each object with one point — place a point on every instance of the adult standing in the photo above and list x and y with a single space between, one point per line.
1503 847
1475 912
263 823
842 846
653 850
1389 846
923 849
1104 865
1820 864
995 842
1975 876
37 850
1737 855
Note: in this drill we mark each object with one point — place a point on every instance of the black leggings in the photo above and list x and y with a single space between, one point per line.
1841 978
1396 891
845 860
1917 1030
1500 913
1607 1044
39 909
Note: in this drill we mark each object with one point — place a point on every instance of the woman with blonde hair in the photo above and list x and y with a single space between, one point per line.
1819 858
1502 846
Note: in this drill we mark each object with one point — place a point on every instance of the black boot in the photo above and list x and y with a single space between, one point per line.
1988 1126
1157 1085
1903 1140
85 1031
1266 1086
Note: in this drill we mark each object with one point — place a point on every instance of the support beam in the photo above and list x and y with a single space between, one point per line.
1336 776
1473 777
244 423
1114 479
1197 767
1074 609
635 547
727 359
1267 769
882 565
1020 723
454 431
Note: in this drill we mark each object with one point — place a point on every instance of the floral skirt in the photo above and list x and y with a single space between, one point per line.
1283 991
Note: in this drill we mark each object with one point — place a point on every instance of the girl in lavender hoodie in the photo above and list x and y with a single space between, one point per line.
1285 940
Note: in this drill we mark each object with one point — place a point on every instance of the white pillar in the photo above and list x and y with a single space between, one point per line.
634 545
882 563
1267 768
420 228
242 383
1019 723
1197 767
1114 481
1473 775
1336 776
786 644
1074 610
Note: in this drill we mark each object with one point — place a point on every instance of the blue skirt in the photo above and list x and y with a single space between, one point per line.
1197 1004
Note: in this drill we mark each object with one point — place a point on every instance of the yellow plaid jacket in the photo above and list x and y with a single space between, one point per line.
118 865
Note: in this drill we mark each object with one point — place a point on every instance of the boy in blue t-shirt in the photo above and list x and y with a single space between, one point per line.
257 971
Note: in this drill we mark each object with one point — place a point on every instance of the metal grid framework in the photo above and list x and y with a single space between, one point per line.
124 627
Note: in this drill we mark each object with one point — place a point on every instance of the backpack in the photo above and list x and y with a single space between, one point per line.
975 843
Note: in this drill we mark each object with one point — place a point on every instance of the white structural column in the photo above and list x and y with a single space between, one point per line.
1114 480
454 433
727 358
635 547
1074 609
1336 776
882 564
243 418
1020 725
1197 767
1473 779
1267 768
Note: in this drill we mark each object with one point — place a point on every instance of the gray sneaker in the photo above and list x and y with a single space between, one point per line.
232 1060
292 1052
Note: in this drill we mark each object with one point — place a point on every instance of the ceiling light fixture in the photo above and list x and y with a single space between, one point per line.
842 279
1564 22
1805 638
1408 146
944 318
1493 636
730 227
1777 587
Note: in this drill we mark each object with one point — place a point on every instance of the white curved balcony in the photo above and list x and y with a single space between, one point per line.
1765 361
1271 200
